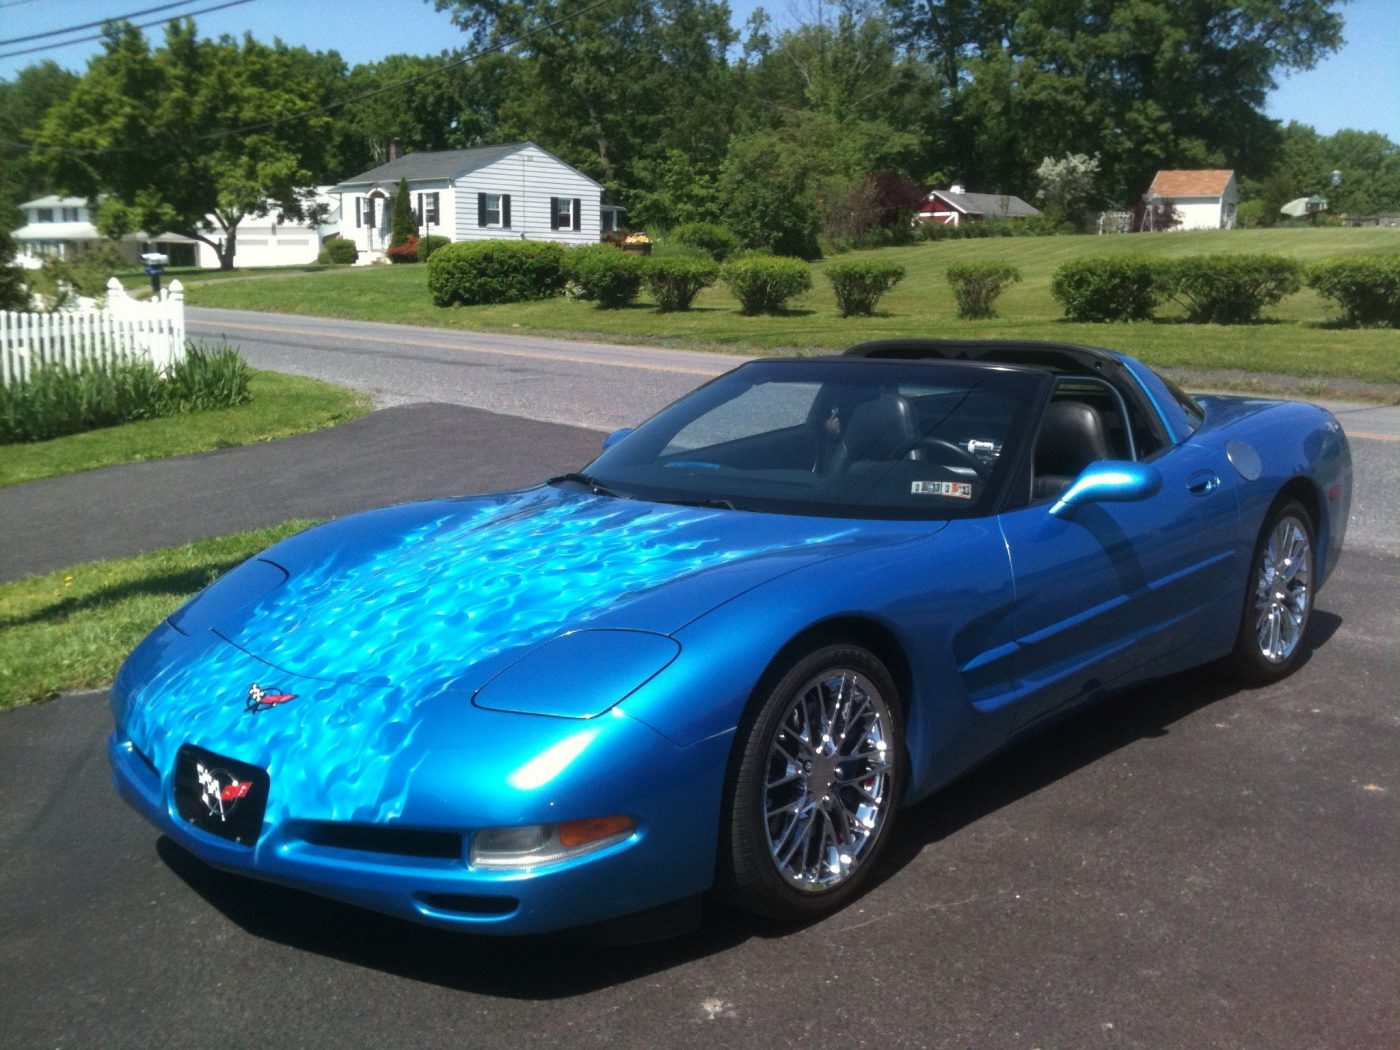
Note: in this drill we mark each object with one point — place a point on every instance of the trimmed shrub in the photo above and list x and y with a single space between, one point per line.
607 275
468 273
976 286
407 252
764 283
339 250
1226 289
859 284
716 241
1367 288
429 244
675 280
1108 288
216 377
403 224
54 399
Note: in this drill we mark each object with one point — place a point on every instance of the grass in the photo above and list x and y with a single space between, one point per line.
1297 337
72 628
281 405
138 279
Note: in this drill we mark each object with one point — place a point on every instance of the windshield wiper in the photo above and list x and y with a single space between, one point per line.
714 501
594 486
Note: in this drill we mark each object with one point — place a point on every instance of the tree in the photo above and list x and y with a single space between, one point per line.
13 293
1067 183
402 223
193 136
605 86
23 103
764 190
1147 83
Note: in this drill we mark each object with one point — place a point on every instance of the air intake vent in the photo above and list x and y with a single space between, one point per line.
369 838
465 904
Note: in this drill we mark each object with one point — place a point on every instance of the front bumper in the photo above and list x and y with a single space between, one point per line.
671 792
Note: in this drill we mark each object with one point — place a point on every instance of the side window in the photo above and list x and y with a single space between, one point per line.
760 409
1083 424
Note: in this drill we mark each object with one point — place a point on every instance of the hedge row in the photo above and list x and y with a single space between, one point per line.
1224 289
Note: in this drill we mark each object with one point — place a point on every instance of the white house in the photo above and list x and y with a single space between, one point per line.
516 191
1204 199
62 227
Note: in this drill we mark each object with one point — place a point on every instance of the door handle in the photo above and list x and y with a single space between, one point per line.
1203 482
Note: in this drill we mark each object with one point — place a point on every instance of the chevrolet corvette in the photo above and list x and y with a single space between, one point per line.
722 657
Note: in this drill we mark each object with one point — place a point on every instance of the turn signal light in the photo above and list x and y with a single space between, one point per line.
536 844
581 832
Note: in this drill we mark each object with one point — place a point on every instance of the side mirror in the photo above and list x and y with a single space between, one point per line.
616 436
1109 481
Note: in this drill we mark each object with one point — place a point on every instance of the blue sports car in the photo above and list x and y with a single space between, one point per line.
724 655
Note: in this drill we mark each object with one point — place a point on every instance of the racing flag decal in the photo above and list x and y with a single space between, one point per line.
260 699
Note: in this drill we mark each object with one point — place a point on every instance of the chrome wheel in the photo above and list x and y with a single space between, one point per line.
828 787
1282 591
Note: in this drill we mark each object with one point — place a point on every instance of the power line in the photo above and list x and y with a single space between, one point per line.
455 63
88 25
99 36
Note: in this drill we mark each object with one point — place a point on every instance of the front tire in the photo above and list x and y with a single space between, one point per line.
813 797
1278 599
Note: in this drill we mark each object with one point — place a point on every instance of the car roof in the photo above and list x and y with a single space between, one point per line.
1054 357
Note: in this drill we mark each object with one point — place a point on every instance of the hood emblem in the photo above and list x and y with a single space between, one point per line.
260 699
220 791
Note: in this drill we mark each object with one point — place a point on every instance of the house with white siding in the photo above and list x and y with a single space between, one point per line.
62 227
517 191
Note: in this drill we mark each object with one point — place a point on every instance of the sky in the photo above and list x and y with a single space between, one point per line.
1358 87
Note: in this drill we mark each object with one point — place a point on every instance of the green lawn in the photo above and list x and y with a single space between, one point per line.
281 405
1297 338
188 275
73 627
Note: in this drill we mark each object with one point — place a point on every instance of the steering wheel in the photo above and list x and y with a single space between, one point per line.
962 455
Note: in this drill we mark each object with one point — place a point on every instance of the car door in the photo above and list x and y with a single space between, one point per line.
1106 590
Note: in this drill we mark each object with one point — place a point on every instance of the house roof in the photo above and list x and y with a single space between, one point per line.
986 204
1202 182
436 164
56 202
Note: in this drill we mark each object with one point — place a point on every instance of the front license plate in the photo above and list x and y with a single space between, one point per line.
220 795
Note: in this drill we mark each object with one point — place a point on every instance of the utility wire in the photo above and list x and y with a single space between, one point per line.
88 25
99 36
225 133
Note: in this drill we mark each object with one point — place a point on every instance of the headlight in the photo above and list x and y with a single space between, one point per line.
536 844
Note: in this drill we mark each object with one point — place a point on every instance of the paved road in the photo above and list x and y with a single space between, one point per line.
602 386
1188 866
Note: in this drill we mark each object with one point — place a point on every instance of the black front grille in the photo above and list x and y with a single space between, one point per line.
373 838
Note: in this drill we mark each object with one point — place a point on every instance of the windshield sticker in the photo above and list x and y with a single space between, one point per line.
955 489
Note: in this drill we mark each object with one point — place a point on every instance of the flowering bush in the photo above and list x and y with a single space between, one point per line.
407 252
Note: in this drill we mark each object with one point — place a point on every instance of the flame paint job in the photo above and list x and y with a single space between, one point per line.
387 625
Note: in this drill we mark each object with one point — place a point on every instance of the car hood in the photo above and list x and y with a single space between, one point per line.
441 595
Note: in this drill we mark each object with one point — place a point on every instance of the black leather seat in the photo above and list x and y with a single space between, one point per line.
881 429
1072 435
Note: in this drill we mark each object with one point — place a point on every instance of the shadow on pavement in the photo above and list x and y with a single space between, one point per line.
539 968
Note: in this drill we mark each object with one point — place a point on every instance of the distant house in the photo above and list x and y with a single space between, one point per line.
955 205
1204 199
516 191
62 227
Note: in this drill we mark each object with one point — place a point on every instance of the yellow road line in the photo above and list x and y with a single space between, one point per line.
542 355
1372 437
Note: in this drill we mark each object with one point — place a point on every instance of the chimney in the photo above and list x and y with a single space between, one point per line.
956 187
395 148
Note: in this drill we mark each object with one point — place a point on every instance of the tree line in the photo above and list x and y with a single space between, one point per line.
783 133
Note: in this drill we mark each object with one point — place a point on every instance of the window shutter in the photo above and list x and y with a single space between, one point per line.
554 213
505 210
481 209
359 212
419 212
578 213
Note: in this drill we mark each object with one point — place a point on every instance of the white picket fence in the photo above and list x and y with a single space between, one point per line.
124 328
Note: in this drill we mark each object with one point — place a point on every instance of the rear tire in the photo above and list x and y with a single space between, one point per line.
814 791
1278 597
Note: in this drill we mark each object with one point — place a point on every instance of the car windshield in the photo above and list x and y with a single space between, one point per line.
832 437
